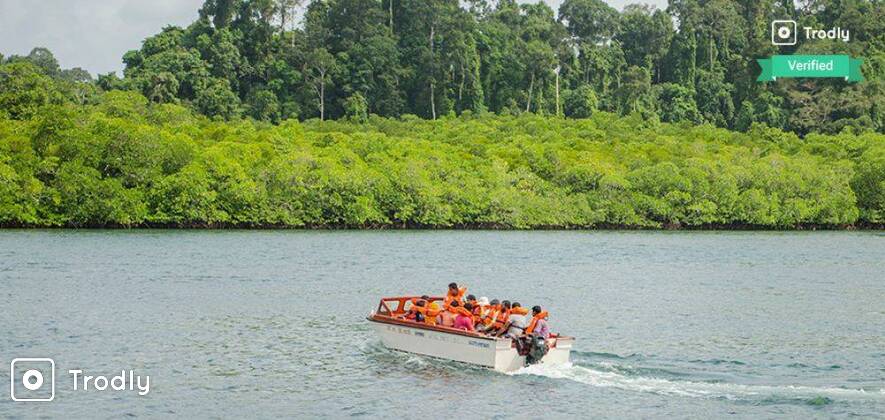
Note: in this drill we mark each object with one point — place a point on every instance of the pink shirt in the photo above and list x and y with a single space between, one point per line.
464 322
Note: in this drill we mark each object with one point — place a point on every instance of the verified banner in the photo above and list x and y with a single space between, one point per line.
800 66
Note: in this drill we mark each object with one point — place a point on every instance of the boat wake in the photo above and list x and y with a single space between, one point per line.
622 373
687 388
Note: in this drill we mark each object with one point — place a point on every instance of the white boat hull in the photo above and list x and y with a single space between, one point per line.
495 353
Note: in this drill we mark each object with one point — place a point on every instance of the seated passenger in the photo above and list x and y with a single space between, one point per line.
471 300
489 318
447 316
517 322
433 305
415 311
464 319
516 308
538 325
455 293
480 309
429 310
457 309
500 320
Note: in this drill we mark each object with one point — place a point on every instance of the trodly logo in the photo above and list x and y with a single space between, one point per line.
783 32
32 379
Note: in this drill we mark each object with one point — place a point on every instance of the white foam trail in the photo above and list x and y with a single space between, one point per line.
691 389
416 360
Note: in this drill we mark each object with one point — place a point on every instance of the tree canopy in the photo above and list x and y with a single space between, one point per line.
694 61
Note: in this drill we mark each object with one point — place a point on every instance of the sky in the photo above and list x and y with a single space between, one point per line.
94 34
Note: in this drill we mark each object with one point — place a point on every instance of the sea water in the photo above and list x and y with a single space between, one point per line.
272 323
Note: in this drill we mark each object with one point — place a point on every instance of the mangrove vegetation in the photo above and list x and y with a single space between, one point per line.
124 161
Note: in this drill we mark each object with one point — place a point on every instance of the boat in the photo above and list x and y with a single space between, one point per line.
442 342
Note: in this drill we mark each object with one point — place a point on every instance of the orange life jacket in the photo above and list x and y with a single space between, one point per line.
534 321
427 310
491 314
459 296
519 310
501 318
459 310
478 313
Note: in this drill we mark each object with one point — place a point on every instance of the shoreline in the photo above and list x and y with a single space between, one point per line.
737 227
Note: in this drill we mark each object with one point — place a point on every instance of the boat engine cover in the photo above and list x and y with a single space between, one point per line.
537 350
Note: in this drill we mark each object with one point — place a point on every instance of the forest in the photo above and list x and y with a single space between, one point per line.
695 61
430 114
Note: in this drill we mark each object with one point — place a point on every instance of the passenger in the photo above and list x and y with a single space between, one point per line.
471 299
415 311
430 310
457 309
489 318
500 320
517 322
538 325
447 316
464 319
433 305
455 294
480 309
516 308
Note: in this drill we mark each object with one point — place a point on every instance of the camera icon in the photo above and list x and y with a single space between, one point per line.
32 379
783 32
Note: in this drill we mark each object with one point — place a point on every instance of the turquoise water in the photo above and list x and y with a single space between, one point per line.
271 323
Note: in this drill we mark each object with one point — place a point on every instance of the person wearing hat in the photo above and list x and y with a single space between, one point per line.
487 322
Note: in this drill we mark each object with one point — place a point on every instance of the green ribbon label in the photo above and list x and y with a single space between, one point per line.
841 66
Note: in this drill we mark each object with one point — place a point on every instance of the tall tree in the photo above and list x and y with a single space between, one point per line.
424 29
592 21
645 35
318 68
221 11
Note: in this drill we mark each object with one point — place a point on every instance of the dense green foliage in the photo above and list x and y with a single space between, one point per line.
436 57
448 114
694 61
120 160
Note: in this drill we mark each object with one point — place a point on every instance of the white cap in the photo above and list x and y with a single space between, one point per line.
483 301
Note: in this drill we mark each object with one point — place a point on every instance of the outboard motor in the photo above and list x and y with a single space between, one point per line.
537 349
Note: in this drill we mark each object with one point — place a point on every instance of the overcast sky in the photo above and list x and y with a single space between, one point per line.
94 34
